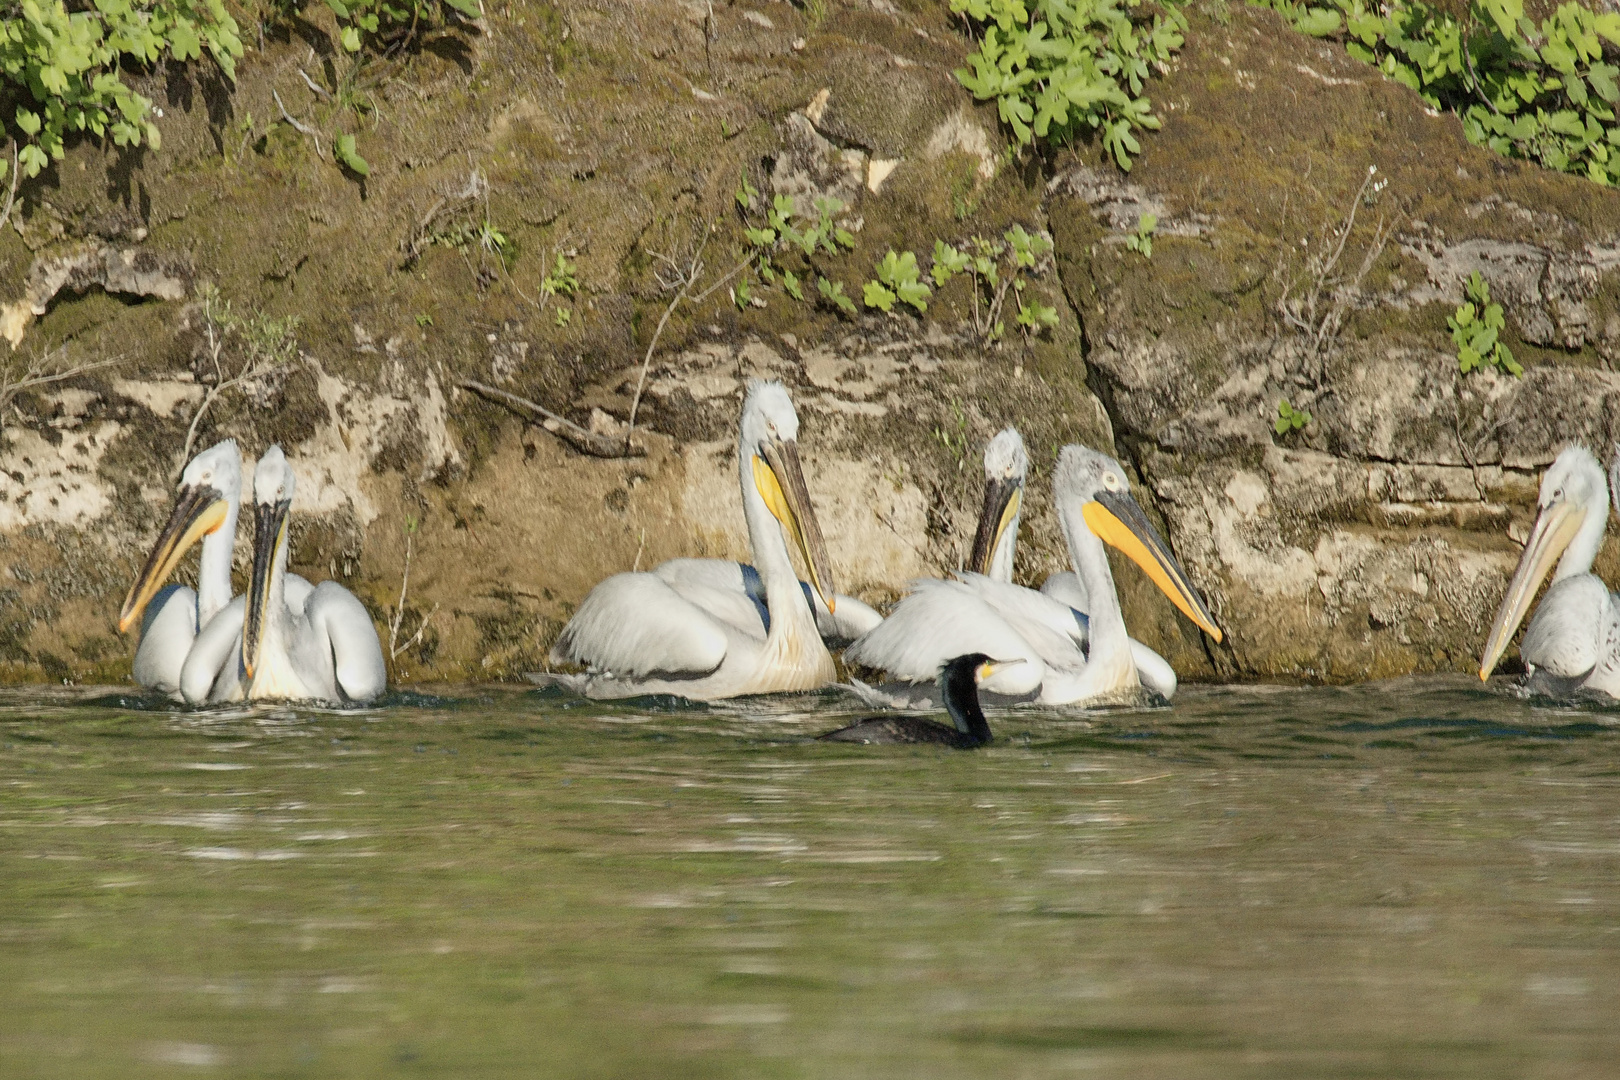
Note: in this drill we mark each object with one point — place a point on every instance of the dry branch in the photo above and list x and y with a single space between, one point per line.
581 439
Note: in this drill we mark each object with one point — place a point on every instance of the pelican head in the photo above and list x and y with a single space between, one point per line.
273 485
1006 465
210 485
1573 510
770 434
1096 483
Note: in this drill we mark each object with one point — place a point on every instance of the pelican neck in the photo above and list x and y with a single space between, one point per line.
214 567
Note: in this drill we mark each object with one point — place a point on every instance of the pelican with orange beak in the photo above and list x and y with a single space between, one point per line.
1573 640
642 633
171 616
941 619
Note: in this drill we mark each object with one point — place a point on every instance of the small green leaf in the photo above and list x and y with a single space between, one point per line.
346 153
351 39
876 295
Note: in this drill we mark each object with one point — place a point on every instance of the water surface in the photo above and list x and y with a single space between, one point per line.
1414 879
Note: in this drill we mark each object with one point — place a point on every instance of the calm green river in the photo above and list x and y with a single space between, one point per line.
1413 879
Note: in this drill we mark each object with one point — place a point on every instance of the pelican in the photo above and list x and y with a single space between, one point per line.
320 647
940 619
643 633
206 509
1573 641
988 579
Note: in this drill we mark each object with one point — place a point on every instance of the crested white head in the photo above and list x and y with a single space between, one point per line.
273 480
1575 479
1005 457
219 467
768 415
1082 472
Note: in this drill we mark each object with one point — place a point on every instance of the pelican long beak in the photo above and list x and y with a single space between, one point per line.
1117 520
269 535
781 484
1002 498
990 667
198 511
1555 527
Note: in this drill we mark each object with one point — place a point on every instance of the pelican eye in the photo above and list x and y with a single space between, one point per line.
1111 481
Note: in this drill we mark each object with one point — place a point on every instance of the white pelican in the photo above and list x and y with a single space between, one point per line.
644 634
206 509
324 648
988 579
941 619
1573 641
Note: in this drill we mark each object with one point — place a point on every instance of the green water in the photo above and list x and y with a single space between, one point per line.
1416 879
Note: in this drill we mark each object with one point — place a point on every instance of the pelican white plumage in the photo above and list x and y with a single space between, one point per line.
1059 613
940 619
323 647
700 634
1573 640
205 508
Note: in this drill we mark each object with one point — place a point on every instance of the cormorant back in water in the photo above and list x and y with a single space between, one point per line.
959 680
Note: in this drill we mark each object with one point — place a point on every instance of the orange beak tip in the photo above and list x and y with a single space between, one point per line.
1484 676
832 605
1217 635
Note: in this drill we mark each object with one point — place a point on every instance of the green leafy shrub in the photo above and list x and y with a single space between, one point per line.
1289 418
897 280
997 266
1476 328
1057 69
68 66
1543 92
394 20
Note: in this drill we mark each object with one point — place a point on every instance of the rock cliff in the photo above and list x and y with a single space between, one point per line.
353 314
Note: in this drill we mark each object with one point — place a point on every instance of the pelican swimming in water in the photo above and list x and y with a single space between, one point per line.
290 645
959 681
940 619
988 580
642 633
206 508
1573 641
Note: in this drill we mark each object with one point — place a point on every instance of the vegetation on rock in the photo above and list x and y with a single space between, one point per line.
1544 93
1056 70
70 66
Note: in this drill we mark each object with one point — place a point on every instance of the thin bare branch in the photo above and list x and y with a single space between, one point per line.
586 442
693 269
296 126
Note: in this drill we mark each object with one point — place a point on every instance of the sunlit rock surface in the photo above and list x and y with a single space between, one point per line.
1377 540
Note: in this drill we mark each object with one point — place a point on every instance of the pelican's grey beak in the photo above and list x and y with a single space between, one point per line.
1117 520
1555 527
780 481
197 512
1002 498
269 534
990 667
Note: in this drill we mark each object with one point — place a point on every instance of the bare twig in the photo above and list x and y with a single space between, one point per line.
11 197
37 373
693 269
397 615
296 126
476 188
587 442
319 91
255 365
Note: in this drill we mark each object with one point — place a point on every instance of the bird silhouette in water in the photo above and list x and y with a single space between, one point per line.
959 680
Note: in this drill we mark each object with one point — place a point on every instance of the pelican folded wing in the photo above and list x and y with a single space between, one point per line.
636 625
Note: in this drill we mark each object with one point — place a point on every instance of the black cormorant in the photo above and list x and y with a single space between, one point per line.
959 680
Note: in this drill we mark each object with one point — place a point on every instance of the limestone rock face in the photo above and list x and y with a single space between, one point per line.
1316 260
1315 228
